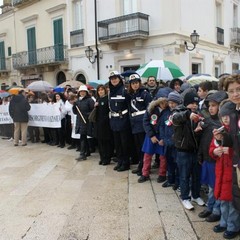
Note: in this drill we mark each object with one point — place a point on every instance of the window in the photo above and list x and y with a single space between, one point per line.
235 67
196 68
9 51
218 69
218 14
235 16
2 56
129 6
58 39
31 41
77 15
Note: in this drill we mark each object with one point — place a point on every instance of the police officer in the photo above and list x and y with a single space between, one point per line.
119 120
139 98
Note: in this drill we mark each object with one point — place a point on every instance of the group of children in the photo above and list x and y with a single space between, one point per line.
193 152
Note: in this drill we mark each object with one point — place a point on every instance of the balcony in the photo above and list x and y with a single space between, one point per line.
49 55
77 38
5 64
220 36
18 3
131 26
235 37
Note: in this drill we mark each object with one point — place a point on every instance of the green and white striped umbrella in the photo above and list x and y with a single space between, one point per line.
162 70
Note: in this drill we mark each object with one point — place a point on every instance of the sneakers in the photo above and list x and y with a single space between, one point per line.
187 204
199 201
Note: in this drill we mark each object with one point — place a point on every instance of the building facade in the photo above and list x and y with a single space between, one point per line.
41 39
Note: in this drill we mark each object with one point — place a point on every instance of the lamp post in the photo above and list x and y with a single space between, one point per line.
93 57
194 37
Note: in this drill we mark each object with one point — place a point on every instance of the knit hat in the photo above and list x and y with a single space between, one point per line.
189 98
163 92
217 96
175 97
226 108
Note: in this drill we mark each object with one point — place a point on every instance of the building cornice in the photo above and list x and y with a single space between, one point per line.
30 18
56 8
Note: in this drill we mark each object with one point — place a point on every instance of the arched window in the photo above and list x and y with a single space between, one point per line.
81 78
61 78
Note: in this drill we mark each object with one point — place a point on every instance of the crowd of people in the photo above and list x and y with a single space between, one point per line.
191 132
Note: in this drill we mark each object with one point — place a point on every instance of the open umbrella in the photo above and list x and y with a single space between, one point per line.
160 69
40 86
193 80
58 89
72 83
95 83
127 73
15 90
4 94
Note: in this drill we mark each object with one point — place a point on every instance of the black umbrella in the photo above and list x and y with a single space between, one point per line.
128 73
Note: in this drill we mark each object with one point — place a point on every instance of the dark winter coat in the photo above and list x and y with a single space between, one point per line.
184 137
85 106
208 125
18 108
118 104
103 129
151 119
138 102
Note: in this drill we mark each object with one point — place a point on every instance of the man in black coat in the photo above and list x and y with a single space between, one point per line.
18 110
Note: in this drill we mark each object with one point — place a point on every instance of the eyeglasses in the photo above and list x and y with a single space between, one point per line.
231 92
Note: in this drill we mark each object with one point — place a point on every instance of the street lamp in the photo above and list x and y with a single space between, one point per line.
194 40
89 54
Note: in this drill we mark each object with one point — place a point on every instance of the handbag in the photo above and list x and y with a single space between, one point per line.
93 116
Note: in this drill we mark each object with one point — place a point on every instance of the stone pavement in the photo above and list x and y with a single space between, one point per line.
46 195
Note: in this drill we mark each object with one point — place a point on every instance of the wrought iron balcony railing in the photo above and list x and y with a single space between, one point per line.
5 64
135 25
220 36
235 36
48 55
77 38
16 2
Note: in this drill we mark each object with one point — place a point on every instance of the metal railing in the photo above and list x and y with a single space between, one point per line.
135 24
15 2
235 36
77 38
220 36
47 55
5 64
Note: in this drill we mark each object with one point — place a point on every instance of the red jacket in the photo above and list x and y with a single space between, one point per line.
223 171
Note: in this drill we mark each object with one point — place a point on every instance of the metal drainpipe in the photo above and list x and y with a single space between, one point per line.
96 39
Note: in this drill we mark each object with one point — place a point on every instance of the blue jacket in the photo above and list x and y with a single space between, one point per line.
166 128
138 103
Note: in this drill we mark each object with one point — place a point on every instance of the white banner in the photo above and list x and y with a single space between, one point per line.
4 114
40 115
45 115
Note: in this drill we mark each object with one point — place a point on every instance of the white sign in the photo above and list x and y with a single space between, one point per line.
40 115
5 118
45 115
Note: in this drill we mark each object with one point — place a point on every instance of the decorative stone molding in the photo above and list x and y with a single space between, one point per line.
56 8
30 18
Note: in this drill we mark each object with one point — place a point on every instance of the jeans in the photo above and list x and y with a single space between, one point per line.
189 174
230 217
213 205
